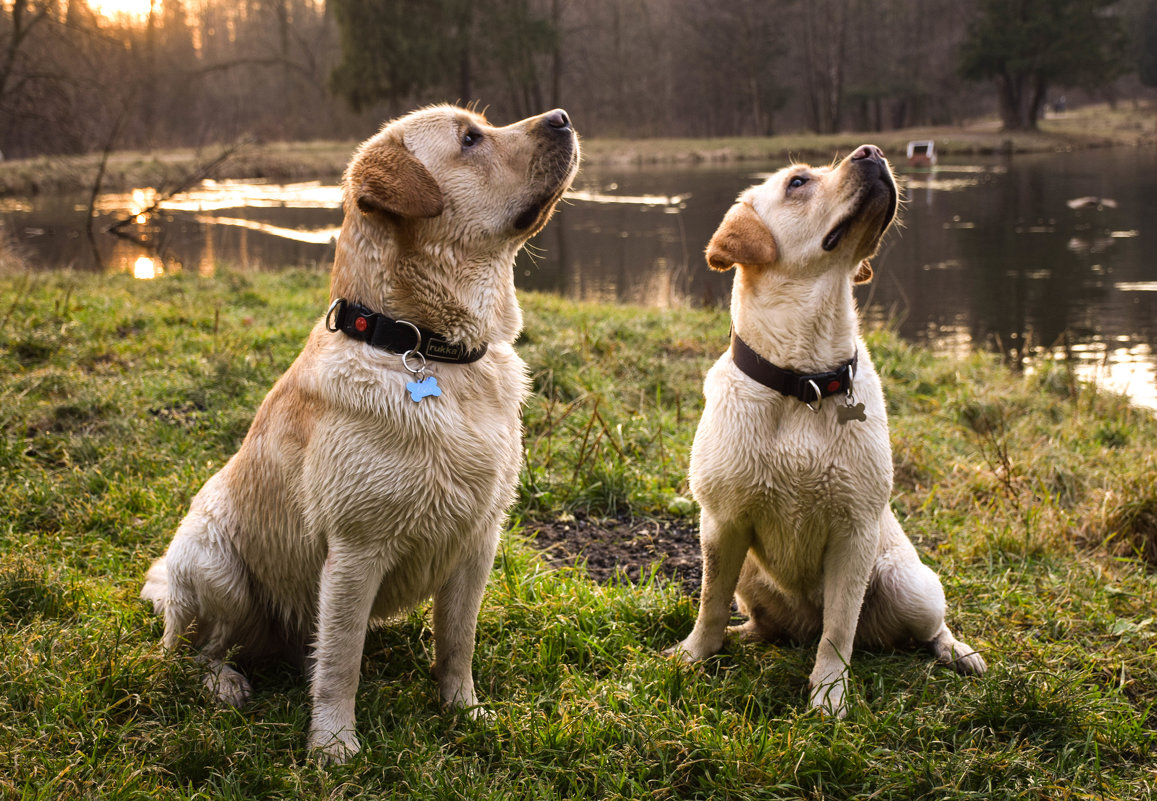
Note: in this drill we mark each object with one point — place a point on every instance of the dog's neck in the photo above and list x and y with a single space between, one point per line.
468 298
805 325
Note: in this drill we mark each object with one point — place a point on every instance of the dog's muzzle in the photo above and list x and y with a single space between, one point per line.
877 185
560 159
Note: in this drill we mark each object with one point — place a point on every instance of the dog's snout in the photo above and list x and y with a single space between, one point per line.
558 120
868 152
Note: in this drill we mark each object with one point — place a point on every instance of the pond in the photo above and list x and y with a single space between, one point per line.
1034 256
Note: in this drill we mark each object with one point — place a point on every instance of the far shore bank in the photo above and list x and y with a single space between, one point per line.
1128 125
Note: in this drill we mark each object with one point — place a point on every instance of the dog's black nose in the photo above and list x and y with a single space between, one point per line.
558 119
868 152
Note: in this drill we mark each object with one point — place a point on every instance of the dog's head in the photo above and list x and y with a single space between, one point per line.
444 175
805 220
437 204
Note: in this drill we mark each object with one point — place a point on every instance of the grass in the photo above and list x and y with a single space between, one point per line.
1033 496
1127 124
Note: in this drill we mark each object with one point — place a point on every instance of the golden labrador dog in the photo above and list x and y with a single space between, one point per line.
791 462
379 468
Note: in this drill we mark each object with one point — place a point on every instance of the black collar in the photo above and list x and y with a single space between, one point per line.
396 336
807 388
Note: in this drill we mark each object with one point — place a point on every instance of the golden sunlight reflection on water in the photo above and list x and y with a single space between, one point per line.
141 199
1127 369
147 268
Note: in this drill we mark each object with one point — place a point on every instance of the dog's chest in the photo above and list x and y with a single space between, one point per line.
784 460
791 476
393 469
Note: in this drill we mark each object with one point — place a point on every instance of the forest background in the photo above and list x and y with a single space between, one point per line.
90 75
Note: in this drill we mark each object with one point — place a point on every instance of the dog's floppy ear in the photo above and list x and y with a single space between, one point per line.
741 238
863 273
390 179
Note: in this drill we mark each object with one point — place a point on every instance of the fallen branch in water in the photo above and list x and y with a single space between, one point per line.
185 184
96 186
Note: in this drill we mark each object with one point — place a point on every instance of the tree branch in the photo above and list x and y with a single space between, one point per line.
96 184
272 61
186 183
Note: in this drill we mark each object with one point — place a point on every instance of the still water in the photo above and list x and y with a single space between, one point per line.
1036 257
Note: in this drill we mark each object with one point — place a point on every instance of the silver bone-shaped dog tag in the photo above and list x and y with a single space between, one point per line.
846 413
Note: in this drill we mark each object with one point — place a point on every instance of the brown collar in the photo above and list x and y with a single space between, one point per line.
808 388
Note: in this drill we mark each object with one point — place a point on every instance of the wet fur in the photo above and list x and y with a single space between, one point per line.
795 523
348 502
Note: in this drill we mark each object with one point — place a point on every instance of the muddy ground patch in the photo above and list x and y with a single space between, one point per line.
622 547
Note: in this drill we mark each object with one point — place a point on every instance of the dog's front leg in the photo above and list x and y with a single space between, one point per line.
456 606
349 583
724 549
848 561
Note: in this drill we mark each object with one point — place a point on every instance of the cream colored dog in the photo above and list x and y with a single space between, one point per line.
791 462
379 468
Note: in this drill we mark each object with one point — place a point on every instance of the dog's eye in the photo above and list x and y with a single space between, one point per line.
471 138
797 182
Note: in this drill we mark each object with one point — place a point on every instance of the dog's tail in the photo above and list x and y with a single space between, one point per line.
171 606
156 587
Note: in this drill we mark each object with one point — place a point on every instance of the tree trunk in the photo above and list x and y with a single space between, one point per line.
1036 101
21 27
1018 105
556 55
148 81
825 46
465 91
465 43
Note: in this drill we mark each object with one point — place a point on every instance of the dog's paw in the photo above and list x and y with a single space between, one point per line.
693 649
228 685
333 748
681 653
476 713
828 687
459 696
466 703
747 632
958 656
967 662
828 698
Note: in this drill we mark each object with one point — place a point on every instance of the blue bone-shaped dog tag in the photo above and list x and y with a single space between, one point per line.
426 388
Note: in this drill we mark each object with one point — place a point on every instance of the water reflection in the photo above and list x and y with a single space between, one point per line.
140 201
1121 366
990 255
1037 257
317 236
216 195
147 268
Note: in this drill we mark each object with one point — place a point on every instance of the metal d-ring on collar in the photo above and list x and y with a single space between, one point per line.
849 395
819 398
414 351
337 303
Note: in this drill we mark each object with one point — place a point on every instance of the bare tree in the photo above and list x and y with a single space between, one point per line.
18 25
198 72
825 36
